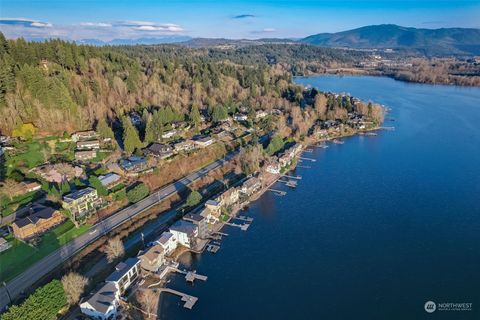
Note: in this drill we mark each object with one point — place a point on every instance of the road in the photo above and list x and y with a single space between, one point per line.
29 277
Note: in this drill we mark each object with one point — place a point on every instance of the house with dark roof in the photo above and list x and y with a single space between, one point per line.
103 304
39 220
158 150
125 274
133 164
200 222
185 232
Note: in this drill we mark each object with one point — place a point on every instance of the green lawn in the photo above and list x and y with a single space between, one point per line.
27 155
9 206
20 256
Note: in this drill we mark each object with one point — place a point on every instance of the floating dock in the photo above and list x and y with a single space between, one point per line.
292 177
213 248
188 299
244 218
243 227
278 192
308 159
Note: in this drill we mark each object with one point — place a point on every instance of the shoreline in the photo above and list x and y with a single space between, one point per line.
367 73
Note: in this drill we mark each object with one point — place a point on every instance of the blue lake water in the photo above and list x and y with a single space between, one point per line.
376 227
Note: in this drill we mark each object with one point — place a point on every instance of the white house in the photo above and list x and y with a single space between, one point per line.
185 232
168 241
103 304
125 274
260 114
240 117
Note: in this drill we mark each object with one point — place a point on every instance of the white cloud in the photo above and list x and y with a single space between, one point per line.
96 24
102 30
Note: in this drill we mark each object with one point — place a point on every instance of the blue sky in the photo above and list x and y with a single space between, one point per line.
106 19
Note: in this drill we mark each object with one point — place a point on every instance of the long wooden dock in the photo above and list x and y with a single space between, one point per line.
188 299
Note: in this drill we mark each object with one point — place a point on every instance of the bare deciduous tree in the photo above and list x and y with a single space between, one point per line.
148 299
73 284
114 249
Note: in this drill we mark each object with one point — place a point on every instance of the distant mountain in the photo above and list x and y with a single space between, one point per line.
445 41
145 41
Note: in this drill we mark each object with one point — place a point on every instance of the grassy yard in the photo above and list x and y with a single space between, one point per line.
20 256
9 206
27 155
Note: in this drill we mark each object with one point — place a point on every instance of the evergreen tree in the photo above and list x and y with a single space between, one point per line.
131 140
104 130
194 115
95 183
219 113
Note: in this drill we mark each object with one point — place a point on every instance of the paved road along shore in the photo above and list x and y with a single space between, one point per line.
47 264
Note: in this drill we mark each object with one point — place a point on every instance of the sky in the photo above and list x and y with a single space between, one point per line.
106 19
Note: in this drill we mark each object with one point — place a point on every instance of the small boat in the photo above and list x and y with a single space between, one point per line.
336 141
322 145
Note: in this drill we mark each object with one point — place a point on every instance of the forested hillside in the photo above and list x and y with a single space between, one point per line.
61 86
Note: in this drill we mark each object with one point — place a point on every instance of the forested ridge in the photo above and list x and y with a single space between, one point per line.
61 86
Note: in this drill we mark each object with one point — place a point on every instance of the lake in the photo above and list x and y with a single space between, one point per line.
376 227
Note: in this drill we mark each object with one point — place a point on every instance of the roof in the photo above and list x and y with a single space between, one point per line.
87 143
213 203
153 253
104 298
193 217
78 194
184 227
122 269
109 178
131 162
202 138
165 237
251 182
158 148
36 212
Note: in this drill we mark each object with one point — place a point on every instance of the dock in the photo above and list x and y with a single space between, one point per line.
304 167
188 299
243 227
308 159
291 183
336 141
213 248
322 145
293 177
244 218
221 233
277 192
192 276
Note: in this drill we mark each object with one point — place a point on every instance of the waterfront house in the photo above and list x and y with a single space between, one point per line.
273 166
214 206
251 186
158 150
88 145
103 304
84 135
133 164
39 220
85 155
81 202
185 145
125 274
203 141
185 232
109 180
200 222
153 258
168 241
230 197
4 244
